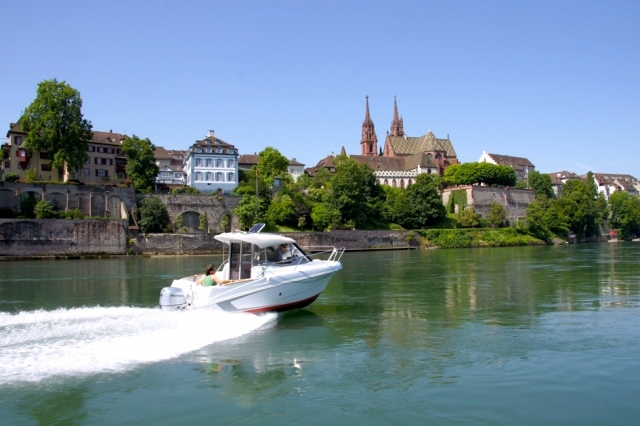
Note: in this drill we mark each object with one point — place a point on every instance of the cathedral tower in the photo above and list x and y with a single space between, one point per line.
397 125
369 141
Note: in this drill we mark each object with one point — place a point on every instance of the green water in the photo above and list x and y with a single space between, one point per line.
531 335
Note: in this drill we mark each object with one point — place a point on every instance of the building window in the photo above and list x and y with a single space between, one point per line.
208 176
7 164
109 161
198 162
177 176
219 150
230 177
118 151
18 140
208 162
87 160
198 149
46 167
218 163
230 163
44 155
208 149
91 148
219 177
72 175
86 172
198 175
102 173
120 175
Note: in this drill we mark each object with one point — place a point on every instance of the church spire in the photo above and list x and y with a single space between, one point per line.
397 125
369 141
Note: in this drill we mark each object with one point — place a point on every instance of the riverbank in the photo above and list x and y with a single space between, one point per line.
88 239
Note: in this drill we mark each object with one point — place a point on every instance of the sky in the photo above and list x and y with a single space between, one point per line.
554 81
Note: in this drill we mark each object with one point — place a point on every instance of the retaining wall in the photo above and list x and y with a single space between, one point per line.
50 237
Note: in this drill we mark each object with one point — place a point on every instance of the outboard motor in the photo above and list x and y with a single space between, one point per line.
172 299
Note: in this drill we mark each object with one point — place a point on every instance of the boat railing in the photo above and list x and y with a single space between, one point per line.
330 253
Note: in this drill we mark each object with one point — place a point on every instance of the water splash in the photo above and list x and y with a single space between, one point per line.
37 345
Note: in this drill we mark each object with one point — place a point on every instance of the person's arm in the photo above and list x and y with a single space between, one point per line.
218 280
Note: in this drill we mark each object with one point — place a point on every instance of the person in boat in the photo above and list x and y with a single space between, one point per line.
278 255
210 278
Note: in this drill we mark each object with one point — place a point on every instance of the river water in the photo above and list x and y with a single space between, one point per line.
527 335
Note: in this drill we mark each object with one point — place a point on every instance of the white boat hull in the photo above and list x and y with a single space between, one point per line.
291 288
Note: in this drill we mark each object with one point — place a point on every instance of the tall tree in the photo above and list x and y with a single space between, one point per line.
54 123
425 201
541 184
141 166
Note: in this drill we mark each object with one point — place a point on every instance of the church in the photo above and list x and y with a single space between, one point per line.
403 157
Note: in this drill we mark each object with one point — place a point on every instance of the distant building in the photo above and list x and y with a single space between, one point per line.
608 183
105 160
520 165
170 169
558 179
211 164
296 169
247 161
403 157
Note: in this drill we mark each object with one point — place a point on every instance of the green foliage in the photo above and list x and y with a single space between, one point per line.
249 211
225 223
185 190
28 203
480 173
31 176
141 166
321 179
541 184
355 193
324 217
54 123
44 210
204 224
10 177
282 211
625 214
179 222
458 198
469 218
72 214
534 222
272 164
485 237
153 215
395 208
497 215
424 202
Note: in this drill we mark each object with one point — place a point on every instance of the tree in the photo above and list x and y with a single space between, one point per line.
354 193
625 213
469 218
54 123
425 203
10 177
249 211
141 166
272 164
153 215
282 211
45 210
541 184
478 173
497 215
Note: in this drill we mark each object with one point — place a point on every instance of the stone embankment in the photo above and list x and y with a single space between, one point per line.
20 238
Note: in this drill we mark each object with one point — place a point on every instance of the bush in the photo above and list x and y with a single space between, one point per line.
72 214
44 210
10 177
154 215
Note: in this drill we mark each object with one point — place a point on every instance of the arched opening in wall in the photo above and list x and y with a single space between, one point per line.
188 223
114 204
28 201
393 183
8 203
386 181
57 200
401 183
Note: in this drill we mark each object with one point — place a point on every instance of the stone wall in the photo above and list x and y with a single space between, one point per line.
50 237
514 201
169 244
213 207
102 201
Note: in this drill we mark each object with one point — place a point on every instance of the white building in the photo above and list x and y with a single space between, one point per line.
211 164
295 168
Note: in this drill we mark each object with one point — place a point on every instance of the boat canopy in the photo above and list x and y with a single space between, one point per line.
260 240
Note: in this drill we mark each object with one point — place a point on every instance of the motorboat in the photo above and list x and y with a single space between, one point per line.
258 276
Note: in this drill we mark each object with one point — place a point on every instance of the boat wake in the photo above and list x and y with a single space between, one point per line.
37 345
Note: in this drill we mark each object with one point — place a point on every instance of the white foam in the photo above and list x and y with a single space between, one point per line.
36 345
